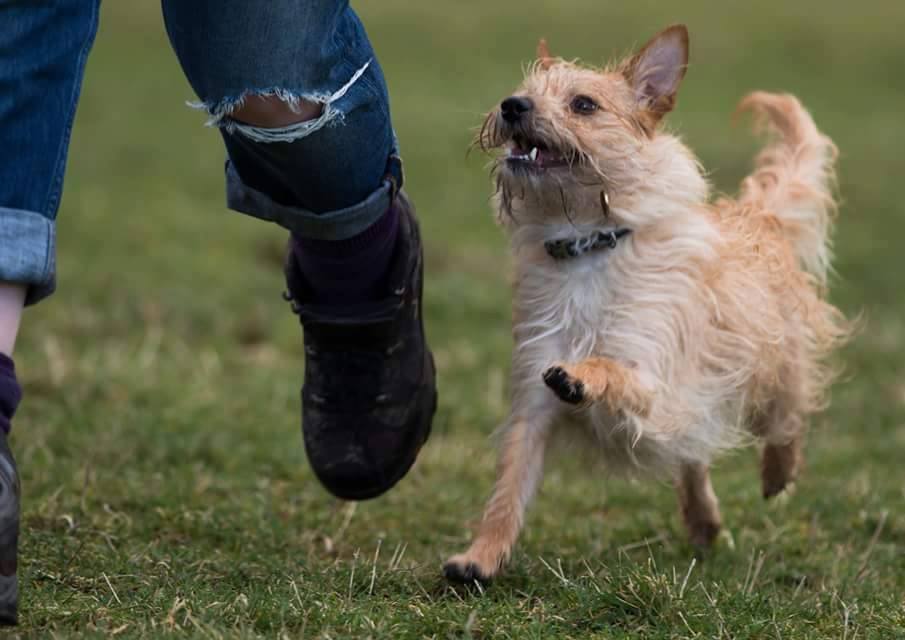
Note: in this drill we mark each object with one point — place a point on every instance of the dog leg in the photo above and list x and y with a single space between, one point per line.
779 465
782 427
599 380
698 504
780 421
518 474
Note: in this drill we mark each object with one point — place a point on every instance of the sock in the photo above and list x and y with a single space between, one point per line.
351 270
10 392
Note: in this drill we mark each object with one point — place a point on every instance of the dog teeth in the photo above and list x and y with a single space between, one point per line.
531 156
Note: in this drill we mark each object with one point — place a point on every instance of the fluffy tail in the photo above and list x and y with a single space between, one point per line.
794 177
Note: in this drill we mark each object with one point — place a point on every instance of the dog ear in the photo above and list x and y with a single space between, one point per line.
543 54
656 71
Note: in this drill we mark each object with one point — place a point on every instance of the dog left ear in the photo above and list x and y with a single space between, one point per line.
656 71
543 54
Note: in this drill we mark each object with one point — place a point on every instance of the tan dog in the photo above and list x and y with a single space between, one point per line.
668 326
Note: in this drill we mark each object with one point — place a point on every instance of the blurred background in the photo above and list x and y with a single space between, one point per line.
164 478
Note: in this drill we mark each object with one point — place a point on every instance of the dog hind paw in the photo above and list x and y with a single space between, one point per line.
779 467
566 388
703 535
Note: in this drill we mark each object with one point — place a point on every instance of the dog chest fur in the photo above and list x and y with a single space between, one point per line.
592 306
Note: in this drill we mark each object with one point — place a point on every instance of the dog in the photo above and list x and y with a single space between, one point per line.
668 325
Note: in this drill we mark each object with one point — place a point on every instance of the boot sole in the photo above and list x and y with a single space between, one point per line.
9 598
402 471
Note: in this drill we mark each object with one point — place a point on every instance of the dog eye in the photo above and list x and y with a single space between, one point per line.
584 105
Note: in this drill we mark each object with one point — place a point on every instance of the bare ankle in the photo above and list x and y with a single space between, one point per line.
12 301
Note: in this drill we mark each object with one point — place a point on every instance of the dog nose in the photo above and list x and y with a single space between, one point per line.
514 107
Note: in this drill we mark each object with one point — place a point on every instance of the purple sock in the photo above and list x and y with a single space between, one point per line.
10 392
351 270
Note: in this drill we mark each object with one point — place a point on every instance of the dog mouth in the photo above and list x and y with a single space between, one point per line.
525 153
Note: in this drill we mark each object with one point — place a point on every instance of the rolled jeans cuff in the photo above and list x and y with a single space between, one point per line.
331 225
28 252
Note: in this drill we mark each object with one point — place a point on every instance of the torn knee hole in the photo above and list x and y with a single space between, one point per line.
278 114
274 111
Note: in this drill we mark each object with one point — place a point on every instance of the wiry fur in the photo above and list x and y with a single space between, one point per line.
708 323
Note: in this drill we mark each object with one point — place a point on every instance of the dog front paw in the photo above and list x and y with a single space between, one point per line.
461 569
566 388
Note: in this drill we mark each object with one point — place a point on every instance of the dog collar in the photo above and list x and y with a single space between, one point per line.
574 247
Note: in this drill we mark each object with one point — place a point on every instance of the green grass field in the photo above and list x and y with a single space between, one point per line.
166 490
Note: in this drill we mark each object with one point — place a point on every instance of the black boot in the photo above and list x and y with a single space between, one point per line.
370 391
9 534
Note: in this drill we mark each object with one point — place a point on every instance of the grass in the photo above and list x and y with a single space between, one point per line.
165 486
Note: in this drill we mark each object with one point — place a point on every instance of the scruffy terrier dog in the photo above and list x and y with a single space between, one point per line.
667 325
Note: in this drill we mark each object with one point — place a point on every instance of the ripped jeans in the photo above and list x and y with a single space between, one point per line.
328 178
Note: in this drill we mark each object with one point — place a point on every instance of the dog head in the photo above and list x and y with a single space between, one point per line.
570 129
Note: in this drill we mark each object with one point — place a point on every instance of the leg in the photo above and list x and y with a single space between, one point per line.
599 380
301 103
302 106
698 503
518 475
43 47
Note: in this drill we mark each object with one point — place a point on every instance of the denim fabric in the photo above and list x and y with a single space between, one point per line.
329 178
43 47
322 178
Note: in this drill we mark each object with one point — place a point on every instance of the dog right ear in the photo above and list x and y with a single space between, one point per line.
544 59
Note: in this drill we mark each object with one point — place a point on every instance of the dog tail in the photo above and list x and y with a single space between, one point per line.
794 177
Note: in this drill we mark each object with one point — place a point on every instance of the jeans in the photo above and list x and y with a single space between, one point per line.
328 178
